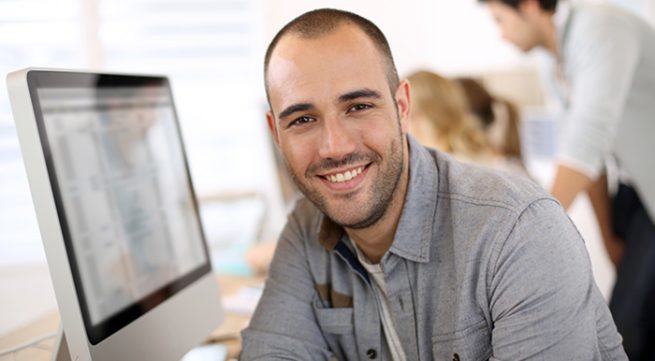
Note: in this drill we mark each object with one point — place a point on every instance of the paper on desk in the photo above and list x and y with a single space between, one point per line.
243 301
207 353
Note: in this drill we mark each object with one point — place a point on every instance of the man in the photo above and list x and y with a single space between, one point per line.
398 252
605 66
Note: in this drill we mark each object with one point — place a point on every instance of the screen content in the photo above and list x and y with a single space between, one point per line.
124 187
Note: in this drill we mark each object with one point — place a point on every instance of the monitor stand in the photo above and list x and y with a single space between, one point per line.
60 348
200 353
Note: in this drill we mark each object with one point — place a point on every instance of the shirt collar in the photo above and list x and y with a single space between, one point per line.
414 233
329 234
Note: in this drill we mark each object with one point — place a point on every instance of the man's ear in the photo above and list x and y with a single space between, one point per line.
403 102
272 126
529 7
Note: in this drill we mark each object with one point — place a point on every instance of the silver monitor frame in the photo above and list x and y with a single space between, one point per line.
165 332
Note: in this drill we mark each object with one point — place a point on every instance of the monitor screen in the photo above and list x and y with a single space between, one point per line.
122 190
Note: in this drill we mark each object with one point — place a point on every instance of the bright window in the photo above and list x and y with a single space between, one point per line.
212 52
35 33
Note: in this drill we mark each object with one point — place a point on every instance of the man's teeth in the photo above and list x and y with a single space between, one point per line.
346 176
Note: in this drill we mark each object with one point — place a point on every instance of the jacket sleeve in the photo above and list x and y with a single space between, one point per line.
283 326
543 299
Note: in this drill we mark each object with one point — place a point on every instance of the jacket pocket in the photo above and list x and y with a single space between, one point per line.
470 344
338 328
335 320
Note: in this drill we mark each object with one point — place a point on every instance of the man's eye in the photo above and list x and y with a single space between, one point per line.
301 121
359 107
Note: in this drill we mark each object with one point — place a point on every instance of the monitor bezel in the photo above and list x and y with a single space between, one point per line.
98 332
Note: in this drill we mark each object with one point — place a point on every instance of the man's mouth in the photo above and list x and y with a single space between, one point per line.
344 176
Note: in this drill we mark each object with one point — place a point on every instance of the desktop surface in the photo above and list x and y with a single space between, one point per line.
227 334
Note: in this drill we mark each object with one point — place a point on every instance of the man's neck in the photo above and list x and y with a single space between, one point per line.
374 241
549 34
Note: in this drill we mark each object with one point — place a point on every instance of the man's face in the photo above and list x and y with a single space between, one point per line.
516 25
341 131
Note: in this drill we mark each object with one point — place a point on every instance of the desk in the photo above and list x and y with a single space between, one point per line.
230 329
227 333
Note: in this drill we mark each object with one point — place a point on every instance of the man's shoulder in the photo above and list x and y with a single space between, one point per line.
599 17
482 186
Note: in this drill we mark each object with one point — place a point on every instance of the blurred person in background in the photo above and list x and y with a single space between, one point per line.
442 118
499 118
604 69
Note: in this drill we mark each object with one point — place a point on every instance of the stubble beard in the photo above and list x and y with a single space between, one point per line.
379 197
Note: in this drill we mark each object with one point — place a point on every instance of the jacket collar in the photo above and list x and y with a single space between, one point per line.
414 233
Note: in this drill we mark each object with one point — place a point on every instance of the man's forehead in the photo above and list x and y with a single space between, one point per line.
340 33
346 40
340 54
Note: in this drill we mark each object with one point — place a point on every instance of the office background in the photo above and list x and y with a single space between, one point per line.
212 51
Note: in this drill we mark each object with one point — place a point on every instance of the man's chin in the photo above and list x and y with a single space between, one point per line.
343 216
355 220
342 219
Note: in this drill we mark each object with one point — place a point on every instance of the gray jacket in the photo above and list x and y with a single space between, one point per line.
483 266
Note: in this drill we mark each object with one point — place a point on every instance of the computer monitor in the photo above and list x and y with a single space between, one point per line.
117 213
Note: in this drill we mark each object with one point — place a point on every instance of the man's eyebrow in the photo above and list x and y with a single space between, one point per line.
362 93
300 107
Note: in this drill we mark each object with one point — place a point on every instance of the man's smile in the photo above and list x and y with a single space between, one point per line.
345 179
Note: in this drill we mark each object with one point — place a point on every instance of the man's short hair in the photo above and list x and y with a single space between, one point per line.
316 23
548 5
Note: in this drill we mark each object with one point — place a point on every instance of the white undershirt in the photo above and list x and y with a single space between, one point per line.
394 345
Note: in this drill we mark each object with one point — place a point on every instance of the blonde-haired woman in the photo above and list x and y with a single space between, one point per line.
441 118
499 118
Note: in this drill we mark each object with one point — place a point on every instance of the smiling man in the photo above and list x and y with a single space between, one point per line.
399 252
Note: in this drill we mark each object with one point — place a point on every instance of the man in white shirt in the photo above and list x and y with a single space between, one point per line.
605 60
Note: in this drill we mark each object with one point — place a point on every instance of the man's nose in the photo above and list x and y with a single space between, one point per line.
337 139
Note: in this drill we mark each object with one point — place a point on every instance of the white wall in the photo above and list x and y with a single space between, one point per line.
27 294
447 36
